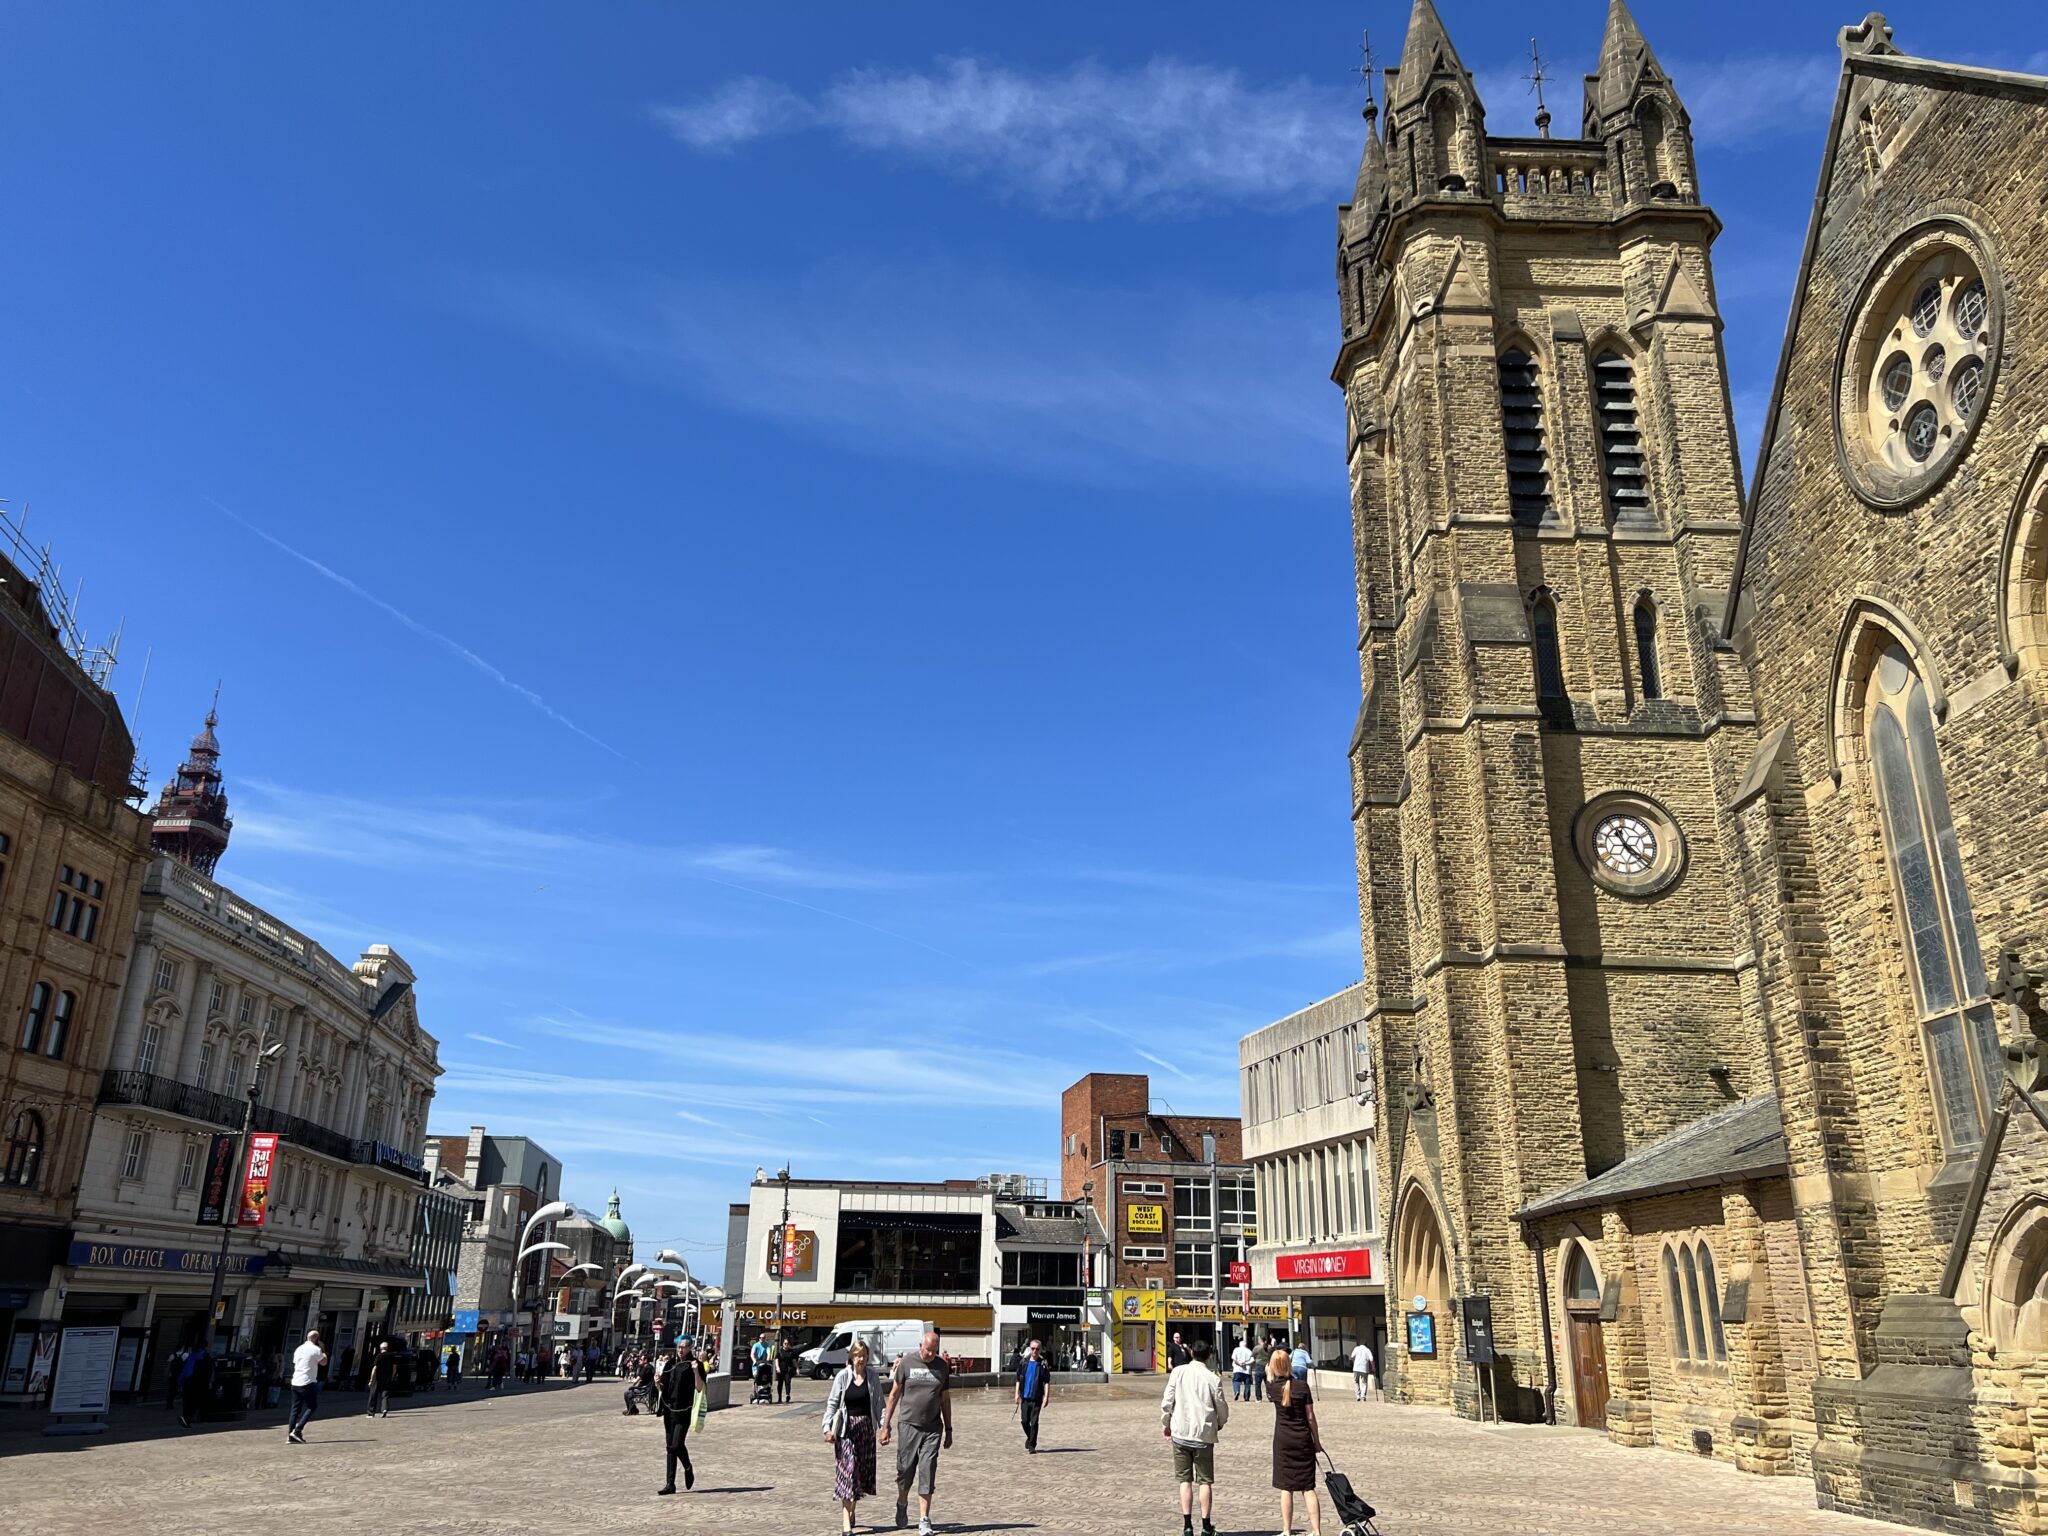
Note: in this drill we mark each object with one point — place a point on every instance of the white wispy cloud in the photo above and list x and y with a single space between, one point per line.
492 1040
426 631
1125 386
1167 137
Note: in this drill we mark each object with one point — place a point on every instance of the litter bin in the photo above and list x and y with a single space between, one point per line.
227 1393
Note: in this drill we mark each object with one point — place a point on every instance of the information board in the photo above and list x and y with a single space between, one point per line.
85 1370
1421 1334
1478 1312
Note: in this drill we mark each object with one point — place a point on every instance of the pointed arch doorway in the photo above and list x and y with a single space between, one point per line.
1587 1342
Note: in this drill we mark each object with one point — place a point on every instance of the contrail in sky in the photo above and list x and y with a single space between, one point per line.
413 624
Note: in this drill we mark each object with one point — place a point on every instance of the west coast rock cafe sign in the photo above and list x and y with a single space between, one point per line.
1331 1264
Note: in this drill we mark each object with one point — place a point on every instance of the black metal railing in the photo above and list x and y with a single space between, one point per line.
149 1091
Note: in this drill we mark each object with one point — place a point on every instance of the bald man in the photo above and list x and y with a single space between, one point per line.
921 1387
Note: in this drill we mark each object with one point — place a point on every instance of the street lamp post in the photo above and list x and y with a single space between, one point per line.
783 1259
232 1215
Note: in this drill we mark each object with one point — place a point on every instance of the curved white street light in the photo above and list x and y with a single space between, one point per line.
630 1269
547 1212
533 1248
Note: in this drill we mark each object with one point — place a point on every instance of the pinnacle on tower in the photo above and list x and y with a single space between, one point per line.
1371 188
1426 56
192 823
1626 66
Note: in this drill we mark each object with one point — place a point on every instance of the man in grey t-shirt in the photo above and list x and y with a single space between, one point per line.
921 1390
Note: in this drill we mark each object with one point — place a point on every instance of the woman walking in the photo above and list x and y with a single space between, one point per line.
1296 1439
851 1410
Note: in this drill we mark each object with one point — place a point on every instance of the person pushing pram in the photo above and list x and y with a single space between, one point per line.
762 1360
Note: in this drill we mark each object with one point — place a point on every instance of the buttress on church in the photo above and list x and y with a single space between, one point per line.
1701 837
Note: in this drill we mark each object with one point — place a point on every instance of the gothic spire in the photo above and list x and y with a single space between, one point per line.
192 823
1371 187
1426 55
1626 66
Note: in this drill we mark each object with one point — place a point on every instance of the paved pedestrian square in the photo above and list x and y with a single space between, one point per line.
561 1459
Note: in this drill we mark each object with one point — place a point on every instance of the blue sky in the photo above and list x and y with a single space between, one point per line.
793 560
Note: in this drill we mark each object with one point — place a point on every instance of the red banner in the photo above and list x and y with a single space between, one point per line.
256 1180
789 1252
1333 1264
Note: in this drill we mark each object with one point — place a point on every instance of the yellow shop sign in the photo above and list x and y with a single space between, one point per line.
1145 1218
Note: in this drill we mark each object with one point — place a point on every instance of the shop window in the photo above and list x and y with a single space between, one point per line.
910 1252
24 1150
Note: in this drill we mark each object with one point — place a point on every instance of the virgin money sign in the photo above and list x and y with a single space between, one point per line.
1332 1264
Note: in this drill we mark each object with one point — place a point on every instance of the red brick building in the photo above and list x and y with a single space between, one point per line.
1173 1191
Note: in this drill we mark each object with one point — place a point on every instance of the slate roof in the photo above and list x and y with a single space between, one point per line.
1065 1231
1743 1141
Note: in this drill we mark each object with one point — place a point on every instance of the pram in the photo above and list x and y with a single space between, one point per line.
764 1382
1351 1509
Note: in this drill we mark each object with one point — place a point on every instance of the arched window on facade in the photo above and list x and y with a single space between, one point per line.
1621 438
1964 1058
60 1024
24 1150
1580 1283
1421 1246
1657 155
38 1017
1646 648
1693 1303
1543 639
1521 416
1443 133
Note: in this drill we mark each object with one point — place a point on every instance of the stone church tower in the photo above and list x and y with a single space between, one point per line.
1546 512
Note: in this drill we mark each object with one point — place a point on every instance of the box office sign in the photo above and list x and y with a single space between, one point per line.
256 1181
1145 1218
169 1261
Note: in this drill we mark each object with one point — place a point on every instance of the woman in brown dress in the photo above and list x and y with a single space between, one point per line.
1296 1439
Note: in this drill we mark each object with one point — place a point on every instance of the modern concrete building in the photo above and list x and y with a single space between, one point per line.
1309 1124
502 1181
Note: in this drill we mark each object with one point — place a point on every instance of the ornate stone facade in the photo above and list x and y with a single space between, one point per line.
1691 840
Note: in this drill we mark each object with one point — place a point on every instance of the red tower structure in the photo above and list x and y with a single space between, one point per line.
192 824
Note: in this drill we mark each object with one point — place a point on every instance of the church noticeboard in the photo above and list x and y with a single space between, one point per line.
1421 1334
1478 1314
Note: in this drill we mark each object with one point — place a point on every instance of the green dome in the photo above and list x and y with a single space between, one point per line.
615 1224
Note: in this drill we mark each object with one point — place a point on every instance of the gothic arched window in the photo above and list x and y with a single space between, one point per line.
24 1150
1964 1057
1646 648
1443 133
1521 416
38 1016
60 1024
1621 439
1543 638
1657 155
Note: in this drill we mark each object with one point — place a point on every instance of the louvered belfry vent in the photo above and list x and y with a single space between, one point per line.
1621 439
1521 409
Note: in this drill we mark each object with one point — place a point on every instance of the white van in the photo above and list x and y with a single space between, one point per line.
887 1338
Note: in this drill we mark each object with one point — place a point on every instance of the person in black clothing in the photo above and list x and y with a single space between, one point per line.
383 1376
642 1390
785 1368
676 1386
1177 1353
195 1384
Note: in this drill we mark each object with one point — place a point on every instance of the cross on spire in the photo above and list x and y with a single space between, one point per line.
1536 77
1363 69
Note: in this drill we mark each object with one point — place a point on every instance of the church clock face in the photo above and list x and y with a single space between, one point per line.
1629 843
1625 845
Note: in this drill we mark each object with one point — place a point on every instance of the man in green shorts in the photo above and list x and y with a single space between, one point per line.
921 1386
1192 1412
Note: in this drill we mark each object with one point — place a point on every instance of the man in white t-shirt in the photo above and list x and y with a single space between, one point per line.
1361 1372
1242 1363
307 1362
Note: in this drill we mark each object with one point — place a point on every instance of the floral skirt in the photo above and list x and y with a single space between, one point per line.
853 1461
